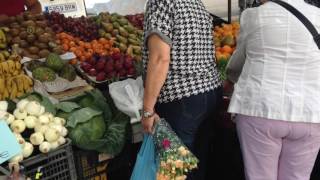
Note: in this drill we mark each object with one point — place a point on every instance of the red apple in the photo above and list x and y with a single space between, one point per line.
100 65
122 73
92 72
116 56
111 75
128 62
109 66
131 71
101 76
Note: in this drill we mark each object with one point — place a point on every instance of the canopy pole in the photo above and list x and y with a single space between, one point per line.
229 11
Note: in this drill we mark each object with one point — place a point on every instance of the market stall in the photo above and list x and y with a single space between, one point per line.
61 68
55 76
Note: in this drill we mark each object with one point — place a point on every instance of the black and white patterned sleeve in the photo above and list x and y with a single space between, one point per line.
159 20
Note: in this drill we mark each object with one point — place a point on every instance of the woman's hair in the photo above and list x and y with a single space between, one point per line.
313 2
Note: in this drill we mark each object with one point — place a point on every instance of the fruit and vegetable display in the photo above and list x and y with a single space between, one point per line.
13 81
225 37
32 35
94 123
110 67
84 28
36 128
136 20
52 67
126 37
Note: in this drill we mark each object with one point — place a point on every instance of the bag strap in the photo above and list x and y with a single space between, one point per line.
302 18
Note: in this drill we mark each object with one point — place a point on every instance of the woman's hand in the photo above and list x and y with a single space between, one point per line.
148 123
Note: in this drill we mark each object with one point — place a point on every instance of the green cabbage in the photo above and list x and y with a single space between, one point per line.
84 133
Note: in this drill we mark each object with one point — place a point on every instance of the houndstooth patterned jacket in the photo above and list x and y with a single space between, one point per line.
187 27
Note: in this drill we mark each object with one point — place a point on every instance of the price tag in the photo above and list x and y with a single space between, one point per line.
9 146
73 8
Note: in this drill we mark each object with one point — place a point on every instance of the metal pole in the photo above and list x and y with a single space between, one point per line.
229 11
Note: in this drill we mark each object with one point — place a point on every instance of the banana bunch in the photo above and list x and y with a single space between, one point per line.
5 56
10 68
3 38
15 86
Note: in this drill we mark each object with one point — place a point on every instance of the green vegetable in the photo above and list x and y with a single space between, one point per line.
81 116
63 114
88 131
98 125
68 72
86 101
114 139
54 62
67 106
44 74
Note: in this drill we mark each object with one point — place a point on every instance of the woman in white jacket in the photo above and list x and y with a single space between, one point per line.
276 71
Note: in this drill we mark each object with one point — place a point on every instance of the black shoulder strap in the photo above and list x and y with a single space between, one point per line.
302 18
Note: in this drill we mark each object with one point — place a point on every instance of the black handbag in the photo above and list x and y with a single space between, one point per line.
302 18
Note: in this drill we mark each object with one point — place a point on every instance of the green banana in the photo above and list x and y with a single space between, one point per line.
3 45
5 29
5 53
3 38
2 57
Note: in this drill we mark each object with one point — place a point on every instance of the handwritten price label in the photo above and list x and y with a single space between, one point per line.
9 146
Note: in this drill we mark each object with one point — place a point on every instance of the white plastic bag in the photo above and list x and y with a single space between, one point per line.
128 97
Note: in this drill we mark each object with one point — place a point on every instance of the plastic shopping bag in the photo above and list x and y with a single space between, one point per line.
146 165
127 96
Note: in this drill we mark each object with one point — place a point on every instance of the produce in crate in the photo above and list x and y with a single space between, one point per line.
82 27
86 50
110 67
13 82
32 35
127 37
34 128
47 71
225 38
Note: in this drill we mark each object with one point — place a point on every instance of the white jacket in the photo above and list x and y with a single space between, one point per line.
277 65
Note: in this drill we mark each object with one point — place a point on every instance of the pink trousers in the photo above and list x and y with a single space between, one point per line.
277 150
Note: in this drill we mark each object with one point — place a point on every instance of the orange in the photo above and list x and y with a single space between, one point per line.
227 55
73 61
72 44
87 45
82 58
73 49
78 53
87 55
115 50
227 49
65 47
107 46
90 51
81 43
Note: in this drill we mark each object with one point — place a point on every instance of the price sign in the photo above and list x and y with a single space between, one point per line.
9 146
73 8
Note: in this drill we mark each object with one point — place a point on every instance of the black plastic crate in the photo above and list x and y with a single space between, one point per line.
91 165
56 165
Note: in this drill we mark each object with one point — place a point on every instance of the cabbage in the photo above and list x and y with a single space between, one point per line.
86 132
95 123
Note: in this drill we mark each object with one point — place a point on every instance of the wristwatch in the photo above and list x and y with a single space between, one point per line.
147 114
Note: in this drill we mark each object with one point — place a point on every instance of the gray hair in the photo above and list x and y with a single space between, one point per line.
313 2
